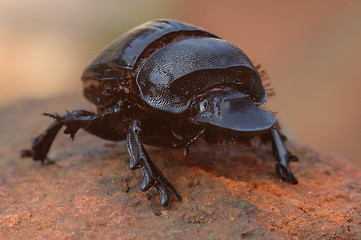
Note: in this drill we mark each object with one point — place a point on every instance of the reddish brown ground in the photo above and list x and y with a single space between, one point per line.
228 193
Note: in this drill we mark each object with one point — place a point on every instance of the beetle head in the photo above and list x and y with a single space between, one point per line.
231 110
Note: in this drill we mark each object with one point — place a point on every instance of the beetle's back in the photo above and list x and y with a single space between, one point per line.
118 60
125 50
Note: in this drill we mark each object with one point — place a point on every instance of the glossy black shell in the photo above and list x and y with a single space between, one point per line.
167 84
166 64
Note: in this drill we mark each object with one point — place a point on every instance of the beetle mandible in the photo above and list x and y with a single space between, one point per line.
166 83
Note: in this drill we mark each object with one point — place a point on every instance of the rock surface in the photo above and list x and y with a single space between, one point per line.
228 192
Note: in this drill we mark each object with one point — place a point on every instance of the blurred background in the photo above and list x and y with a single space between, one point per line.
310 49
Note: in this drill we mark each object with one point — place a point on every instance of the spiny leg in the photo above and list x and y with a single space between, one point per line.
41 144
97 124
152 176
282 157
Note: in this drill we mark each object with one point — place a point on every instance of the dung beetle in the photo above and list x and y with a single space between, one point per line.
166 84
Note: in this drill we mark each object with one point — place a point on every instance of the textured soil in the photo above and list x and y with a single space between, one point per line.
228 192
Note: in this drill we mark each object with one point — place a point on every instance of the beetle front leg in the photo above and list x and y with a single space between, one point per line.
97 124
42 143
152 176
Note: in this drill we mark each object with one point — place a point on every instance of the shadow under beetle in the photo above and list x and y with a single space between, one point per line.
166 83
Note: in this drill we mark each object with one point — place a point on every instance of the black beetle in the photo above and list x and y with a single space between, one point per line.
166 84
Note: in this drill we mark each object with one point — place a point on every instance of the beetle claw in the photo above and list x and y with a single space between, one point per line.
284 174
154 177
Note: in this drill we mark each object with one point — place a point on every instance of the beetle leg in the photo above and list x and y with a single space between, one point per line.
42 143
282 157
97 124
152 176
186 149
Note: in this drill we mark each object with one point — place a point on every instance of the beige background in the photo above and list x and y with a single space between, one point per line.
310 49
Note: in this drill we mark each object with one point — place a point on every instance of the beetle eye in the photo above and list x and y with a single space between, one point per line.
203 105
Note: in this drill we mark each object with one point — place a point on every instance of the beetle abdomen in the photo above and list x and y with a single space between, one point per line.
174 74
